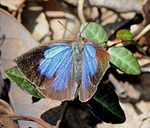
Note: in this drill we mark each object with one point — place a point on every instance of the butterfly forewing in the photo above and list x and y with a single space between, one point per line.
95 61
50 67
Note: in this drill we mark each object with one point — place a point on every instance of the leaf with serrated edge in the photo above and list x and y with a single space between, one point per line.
19 79
123 59
94 31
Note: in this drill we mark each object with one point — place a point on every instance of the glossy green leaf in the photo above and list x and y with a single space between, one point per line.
20 80
105 105
94 31
123 59
124 35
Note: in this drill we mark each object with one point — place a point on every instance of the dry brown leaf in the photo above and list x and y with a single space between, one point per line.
22 104
68 20
144 40
146 11
12 4
35 21
17 39
55 14
118 5
144 106
73 2
5 108
132 92
143 85
41 28
60 32
144 61
5 122
91 12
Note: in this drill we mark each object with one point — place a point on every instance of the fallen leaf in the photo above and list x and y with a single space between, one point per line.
5 122
144 40
35 21
66 19
145 11
119 5
22 104
12 4
17 39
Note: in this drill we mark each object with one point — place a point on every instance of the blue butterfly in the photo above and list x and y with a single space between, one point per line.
65 69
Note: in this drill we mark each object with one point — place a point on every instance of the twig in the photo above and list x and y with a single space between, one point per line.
28 118
144 31
80 11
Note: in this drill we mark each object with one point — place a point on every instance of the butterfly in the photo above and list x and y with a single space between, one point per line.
65 69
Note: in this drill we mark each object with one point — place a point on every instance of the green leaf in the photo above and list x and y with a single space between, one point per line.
124 35
20 80
123 59
105 105
94 31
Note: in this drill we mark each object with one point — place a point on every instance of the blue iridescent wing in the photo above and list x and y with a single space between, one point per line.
57 62
50 67
95 62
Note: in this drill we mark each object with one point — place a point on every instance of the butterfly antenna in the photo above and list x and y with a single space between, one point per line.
83 29
66 28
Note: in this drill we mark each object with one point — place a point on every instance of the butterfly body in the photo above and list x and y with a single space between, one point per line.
77 60
63 69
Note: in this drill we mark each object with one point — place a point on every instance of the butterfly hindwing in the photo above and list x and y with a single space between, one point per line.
50 67
95 61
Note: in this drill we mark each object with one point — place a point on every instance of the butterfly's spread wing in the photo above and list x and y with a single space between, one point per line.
95 63
50 68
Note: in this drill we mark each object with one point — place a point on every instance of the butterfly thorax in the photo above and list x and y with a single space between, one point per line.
77 59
